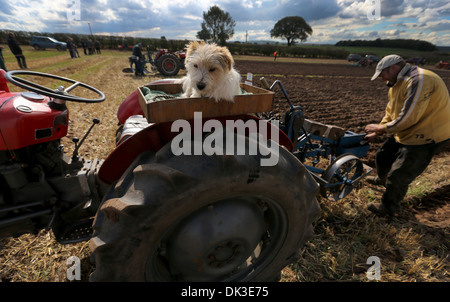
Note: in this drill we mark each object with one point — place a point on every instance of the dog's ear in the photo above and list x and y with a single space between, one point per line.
191 48
227 58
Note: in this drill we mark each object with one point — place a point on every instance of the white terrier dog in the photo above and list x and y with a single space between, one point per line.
210 72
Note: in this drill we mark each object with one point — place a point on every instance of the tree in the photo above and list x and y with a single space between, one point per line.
291 29
204 34
217 26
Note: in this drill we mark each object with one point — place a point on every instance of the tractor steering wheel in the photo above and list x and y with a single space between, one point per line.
60 93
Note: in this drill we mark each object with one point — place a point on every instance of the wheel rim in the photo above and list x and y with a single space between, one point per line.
209 246
341 176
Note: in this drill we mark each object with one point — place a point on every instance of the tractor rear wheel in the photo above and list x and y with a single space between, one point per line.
204 218
168 65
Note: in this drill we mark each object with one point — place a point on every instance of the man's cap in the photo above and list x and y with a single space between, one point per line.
140 44
385 63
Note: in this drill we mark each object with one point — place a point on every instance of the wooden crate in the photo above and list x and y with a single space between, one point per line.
169 110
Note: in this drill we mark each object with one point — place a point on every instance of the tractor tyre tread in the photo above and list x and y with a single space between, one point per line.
153 194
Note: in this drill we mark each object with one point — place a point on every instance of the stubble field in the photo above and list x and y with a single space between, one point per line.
411 247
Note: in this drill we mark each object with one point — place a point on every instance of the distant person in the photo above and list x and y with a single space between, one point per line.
369 61
275 54
417 118
72 48
97 47
150 50
84 45
90 47
2 61
17 51
138 58
76 50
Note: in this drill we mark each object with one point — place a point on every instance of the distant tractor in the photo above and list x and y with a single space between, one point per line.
416 61
443 65
168 63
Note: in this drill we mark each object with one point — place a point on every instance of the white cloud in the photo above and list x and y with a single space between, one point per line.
331 20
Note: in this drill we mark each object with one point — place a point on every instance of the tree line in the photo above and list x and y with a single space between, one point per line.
391 43
237 48
106 42
319 52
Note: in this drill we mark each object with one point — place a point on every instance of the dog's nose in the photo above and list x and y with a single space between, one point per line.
201 85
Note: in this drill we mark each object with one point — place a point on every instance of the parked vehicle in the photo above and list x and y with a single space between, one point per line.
416 61
125 47
373 58
41 43
354 57
443 65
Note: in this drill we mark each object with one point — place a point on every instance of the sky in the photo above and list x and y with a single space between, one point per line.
331 20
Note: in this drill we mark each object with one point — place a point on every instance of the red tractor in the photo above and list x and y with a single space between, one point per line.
149 213
161 209
443 65
168 63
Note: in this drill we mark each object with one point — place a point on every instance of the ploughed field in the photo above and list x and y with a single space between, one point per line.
335 94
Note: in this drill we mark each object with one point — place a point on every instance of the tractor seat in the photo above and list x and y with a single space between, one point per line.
133 125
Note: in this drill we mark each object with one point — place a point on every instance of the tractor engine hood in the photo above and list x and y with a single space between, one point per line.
28 119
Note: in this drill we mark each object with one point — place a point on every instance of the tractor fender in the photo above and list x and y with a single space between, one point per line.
130 106
3 81
155 136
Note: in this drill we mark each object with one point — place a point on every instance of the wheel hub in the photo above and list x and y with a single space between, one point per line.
168 66
226 254
216 240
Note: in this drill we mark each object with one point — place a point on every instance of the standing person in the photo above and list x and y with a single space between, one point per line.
275 54
71 47
2 61
417 118
83 44
76 50
138 58
17 51
97 47
90 47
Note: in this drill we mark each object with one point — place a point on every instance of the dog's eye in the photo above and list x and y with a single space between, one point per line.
195 65
212 70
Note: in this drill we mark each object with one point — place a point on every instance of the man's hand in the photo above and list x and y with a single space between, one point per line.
373 131
371 136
